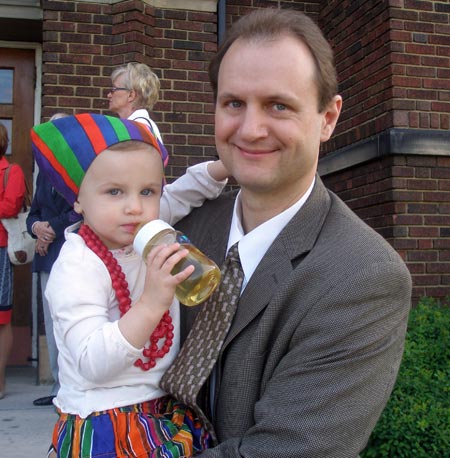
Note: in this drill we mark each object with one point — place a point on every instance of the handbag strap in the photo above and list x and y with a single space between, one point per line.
5 177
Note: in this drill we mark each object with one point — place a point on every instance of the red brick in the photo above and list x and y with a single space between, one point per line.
416 268
435 196
423 231
437 220
422 208
422 184
426 280
437 292
425 244
444 255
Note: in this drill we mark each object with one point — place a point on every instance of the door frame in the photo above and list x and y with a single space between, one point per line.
37 47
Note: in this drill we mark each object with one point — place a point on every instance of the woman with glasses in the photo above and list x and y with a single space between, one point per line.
134 92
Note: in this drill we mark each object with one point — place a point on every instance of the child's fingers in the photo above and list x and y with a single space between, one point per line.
159 254
166 257
173 259
181 276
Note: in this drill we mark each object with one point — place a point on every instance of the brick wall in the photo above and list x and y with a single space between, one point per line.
237 8
394 65
393 60
76 43
358 32
83 43
186 41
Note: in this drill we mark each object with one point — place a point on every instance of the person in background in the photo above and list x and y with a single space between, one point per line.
116 321
49 215
314 349
134 92
11 201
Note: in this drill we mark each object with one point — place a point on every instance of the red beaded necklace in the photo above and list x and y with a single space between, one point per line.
164 330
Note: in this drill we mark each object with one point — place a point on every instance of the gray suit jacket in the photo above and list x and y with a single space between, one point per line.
316 343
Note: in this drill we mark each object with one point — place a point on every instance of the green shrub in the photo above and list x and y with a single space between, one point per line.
416 420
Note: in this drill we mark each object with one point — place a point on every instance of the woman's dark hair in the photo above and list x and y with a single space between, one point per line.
270 23
4 140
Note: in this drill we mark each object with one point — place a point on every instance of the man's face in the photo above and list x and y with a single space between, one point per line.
268 128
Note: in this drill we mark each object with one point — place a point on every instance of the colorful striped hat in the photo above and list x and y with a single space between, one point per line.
65 148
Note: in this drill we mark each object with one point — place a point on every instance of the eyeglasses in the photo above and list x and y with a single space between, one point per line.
114 89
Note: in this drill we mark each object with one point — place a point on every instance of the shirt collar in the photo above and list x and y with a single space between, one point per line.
254 245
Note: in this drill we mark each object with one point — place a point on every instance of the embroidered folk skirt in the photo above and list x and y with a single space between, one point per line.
162 428
6 286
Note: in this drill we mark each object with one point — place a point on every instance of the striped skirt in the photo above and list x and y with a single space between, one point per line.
6 286
131 432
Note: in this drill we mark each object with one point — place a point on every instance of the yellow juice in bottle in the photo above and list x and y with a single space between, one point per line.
201 283
206 276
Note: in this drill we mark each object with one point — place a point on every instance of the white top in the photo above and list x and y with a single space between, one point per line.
143 116
96 370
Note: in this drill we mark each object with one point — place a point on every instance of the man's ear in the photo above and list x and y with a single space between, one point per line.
77 207
330 117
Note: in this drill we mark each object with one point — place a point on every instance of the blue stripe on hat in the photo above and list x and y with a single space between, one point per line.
77 140
107 129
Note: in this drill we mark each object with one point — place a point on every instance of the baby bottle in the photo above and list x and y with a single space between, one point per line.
206 276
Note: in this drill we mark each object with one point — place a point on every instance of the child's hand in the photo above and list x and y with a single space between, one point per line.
159 289
217 170
160 284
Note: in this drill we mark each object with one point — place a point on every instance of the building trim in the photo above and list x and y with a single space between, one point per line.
21 9
206 6
390 142
209 6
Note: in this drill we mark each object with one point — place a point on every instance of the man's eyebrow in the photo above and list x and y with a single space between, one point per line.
226 95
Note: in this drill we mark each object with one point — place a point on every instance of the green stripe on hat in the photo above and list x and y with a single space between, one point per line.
120 129
56 142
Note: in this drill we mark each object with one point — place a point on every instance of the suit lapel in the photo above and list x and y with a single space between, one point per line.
293 243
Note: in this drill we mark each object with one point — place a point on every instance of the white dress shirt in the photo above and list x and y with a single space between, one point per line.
254 245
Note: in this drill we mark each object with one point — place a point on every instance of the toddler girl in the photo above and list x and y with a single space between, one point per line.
115 317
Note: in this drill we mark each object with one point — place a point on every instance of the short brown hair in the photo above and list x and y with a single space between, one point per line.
270 23
4 140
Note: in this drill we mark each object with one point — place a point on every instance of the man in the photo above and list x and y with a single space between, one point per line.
314 348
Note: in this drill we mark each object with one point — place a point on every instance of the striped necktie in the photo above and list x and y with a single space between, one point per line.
200 351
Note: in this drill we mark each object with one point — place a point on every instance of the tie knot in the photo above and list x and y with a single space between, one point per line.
233 253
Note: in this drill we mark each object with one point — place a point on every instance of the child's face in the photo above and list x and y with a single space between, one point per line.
121 189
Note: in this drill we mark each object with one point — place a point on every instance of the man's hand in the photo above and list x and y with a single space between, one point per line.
44 232
42 247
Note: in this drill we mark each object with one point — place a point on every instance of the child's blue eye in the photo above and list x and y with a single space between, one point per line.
114 192
146 192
